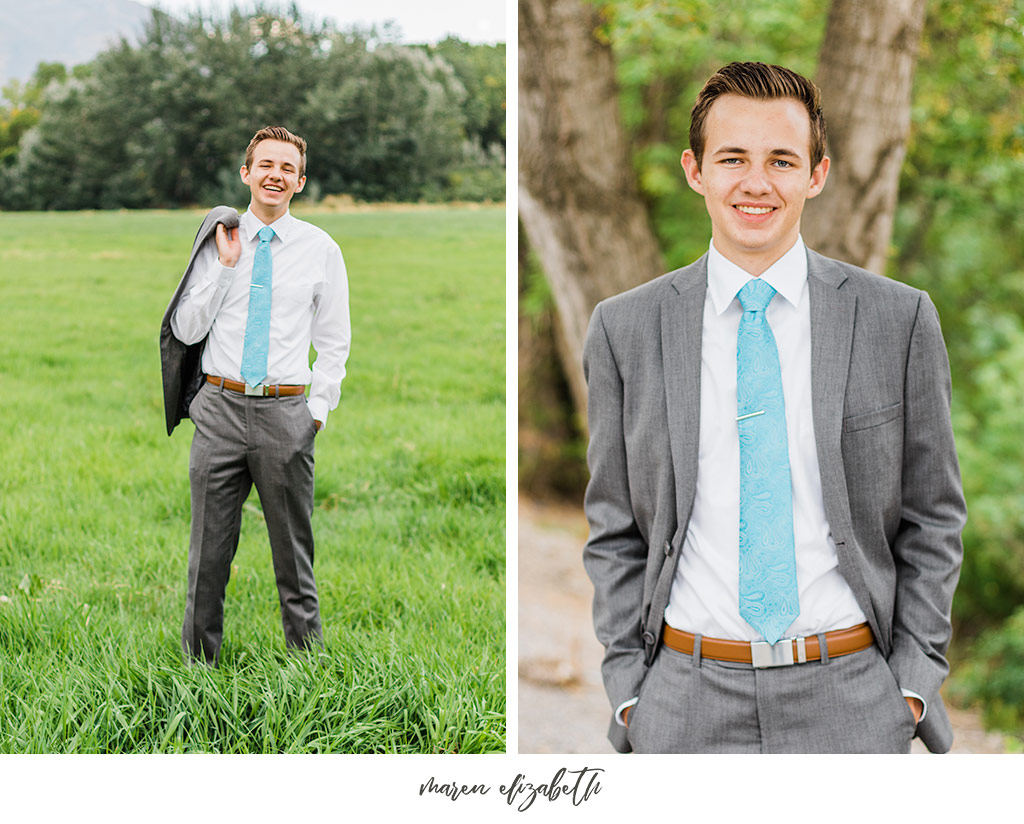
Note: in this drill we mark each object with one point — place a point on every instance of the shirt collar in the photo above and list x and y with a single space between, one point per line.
252 224
788 276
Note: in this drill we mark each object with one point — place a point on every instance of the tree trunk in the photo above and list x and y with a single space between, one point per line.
578 199
865 73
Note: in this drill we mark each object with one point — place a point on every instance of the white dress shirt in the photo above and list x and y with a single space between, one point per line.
704 598
309 304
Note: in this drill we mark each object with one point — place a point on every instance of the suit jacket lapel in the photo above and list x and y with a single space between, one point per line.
682 318
832 317
833 312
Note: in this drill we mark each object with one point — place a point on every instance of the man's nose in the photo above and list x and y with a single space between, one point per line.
755 181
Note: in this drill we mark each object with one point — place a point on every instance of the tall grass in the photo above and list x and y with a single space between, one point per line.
94 503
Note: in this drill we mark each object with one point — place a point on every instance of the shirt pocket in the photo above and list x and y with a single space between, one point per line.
869 420
872 447
293 295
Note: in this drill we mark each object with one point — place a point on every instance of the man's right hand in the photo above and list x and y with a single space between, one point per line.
229 246
625 716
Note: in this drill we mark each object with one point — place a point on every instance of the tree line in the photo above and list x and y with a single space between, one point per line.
164 122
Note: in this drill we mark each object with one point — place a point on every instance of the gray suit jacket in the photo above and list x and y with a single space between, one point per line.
889 470
182 375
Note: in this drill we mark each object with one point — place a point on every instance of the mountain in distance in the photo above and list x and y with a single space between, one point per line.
62 31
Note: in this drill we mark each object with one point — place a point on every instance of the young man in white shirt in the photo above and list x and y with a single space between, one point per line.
775 503
253 422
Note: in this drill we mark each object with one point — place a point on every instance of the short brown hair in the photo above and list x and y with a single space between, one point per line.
761 82
277 133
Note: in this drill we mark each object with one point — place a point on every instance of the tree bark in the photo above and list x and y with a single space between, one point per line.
578 199
865 73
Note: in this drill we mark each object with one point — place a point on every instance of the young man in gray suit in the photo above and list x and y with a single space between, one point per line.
775 503
258 295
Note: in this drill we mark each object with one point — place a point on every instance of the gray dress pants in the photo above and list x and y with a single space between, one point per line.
239 441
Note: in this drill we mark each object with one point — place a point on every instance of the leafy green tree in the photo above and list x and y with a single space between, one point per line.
960 234
20 109
165 122
664 52
481 70
479 173
386 123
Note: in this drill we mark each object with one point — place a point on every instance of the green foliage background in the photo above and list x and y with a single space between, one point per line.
959 234
165 122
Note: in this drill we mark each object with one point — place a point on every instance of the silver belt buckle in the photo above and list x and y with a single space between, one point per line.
764 655
254 390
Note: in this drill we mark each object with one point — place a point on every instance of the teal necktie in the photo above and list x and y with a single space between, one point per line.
768 599
257 324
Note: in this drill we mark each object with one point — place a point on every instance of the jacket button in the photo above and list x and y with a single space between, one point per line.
648 638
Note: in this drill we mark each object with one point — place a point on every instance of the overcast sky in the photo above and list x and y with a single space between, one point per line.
420 21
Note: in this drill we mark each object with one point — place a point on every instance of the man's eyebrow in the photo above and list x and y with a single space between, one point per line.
782 152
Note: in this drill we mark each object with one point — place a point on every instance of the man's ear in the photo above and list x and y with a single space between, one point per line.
692 169
302 184
244 174
818 177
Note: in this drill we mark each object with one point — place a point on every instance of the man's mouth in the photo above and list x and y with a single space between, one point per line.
273 188
755 210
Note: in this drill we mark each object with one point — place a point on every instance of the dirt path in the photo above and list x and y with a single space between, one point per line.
562 705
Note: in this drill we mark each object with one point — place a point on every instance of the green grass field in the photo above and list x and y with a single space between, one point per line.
94 503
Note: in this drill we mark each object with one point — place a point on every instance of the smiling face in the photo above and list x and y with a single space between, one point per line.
273 178
755 176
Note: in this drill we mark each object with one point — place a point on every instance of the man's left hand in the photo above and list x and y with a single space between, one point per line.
916 707
319 424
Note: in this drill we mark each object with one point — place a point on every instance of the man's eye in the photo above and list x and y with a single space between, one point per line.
783 164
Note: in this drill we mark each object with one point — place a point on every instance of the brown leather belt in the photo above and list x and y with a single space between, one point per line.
277 391
761 654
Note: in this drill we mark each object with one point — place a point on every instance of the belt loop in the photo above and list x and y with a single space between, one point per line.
221 385
696 650
823 647
277 391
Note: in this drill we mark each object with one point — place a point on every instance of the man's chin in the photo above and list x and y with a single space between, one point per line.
271 203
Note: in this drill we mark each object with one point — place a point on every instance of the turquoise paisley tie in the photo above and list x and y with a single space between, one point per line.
257 325
768 599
